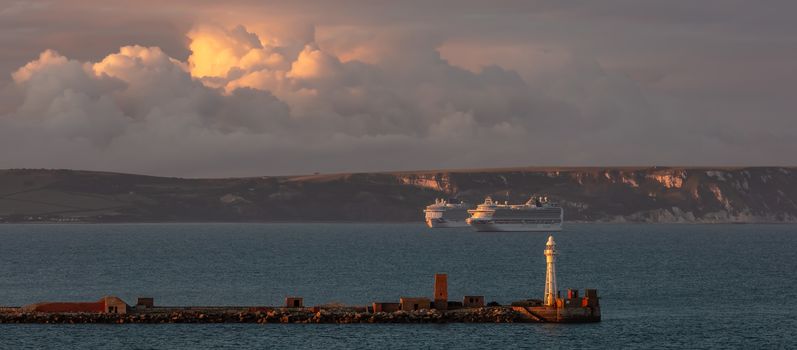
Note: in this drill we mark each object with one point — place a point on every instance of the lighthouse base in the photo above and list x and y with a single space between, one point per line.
550 314
573 309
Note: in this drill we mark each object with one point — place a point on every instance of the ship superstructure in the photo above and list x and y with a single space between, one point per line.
443 214
537 214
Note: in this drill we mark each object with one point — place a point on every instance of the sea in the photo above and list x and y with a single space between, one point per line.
660 286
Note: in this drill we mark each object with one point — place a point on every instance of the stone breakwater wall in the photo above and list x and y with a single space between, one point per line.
476 315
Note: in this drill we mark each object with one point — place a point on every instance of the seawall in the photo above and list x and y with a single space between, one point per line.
498 314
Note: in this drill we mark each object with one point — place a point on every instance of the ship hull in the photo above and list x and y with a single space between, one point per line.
490 226
438 223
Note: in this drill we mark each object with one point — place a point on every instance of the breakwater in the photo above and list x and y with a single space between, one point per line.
437 309
499 314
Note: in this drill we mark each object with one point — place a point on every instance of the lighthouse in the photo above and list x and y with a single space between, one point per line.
550 273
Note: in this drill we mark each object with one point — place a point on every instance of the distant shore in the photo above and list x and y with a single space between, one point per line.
587 195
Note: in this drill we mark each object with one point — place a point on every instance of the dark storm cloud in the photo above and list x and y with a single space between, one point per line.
203 88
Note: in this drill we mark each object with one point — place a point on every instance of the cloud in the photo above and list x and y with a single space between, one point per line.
215 52
247 103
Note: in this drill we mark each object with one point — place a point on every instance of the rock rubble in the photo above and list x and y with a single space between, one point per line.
476 315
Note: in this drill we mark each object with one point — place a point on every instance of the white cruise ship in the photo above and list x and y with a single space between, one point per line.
538 214
443 214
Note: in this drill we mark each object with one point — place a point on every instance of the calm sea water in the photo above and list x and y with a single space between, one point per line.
661 286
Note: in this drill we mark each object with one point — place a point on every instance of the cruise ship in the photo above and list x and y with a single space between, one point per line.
538 214
443 214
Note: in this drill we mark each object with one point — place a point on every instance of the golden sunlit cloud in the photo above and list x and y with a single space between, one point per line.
312 63
238 93
47 57
119 65
214 50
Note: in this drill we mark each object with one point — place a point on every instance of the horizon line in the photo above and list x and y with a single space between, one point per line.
537 168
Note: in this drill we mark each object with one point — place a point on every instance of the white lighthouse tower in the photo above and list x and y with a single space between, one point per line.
550 273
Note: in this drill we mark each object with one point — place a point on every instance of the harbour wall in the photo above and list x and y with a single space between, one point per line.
500 314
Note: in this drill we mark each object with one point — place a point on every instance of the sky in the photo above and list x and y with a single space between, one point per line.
249 88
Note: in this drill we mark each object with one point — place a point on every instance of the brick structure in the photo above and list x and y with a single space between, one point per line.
453 305
572 293
67 307
439 300
473 301
441 291
411 304
145 303
590 298
294 302
570 309
386 307
108 304
115 305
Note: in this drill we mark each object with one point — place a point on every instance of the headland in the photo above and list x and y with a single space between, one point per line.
596 194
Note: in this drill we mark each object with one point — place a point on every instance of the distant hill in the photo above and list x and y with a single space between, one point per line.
613 194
